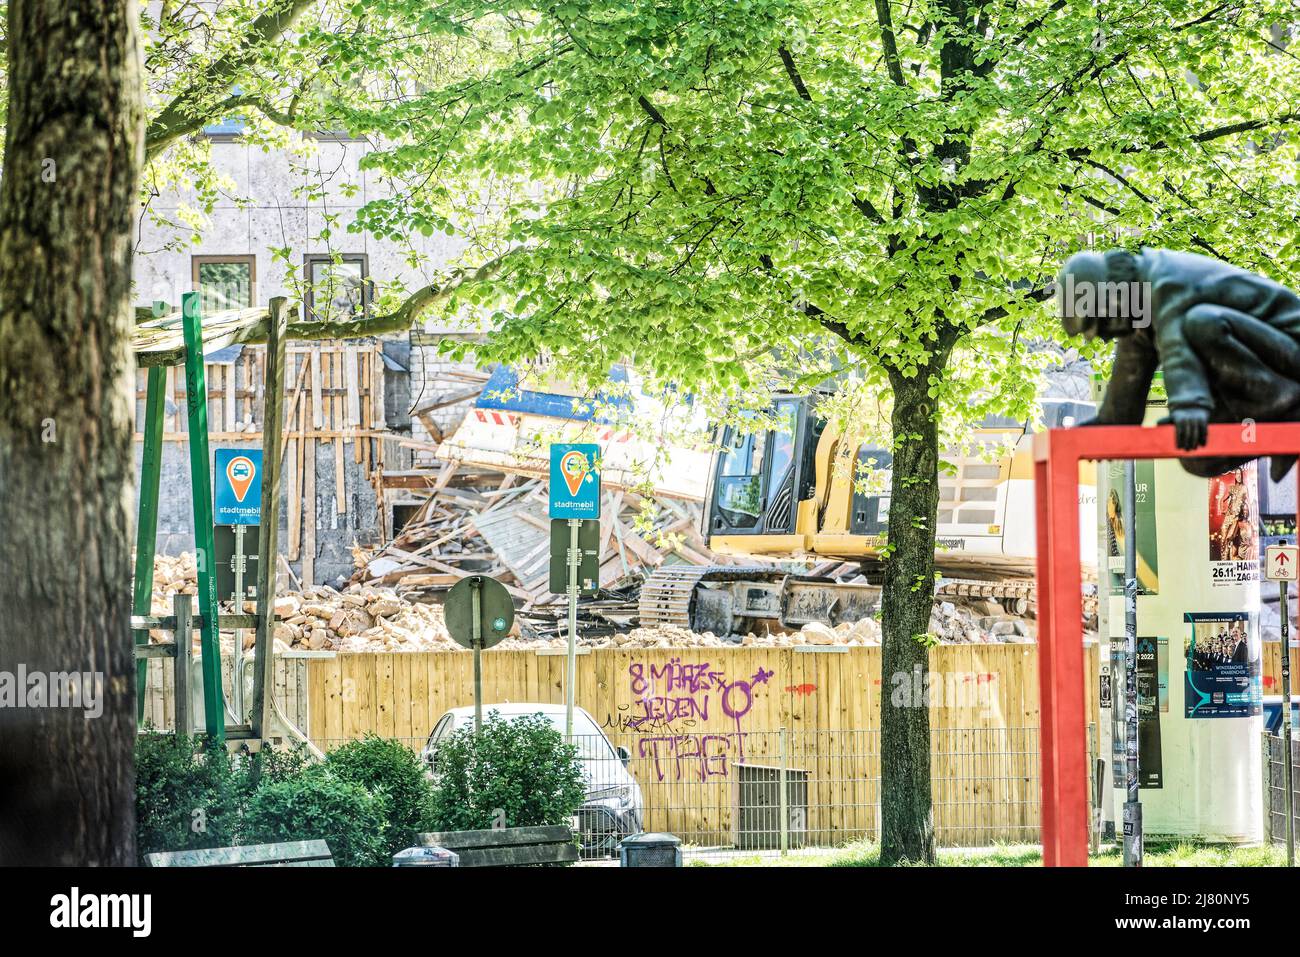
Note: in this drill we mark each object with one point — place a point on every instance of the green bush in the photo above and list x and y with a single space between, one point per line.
366 801
272 764
394 772
317 804
521 771
185 798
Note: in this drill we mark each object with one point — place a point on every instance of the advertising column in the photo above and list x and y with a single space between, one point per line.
1199 662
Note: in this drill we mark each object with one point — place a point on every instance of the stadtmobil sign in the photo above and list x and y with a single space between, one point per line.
238 486
575 481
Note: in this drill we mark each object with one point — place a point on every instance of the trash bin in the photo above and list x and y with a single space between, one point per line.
426 857
650 850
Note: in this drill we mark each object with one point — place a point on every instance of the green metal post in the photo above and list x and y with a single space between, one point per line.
146 526
272 420
196 400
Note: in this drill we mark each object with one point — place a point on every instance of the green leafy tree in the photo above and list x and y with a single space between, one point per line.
719 190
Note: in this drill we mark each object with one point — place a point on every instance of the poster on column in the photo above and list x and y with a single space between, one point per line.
1224 667
1233 524
1152 667
1148 564
1117 751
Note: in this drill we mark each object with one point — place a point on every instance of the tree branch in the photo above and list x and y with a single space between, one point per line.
889 42
792 71
1218 132
399 320
658 118
405 315
1000 312
177 118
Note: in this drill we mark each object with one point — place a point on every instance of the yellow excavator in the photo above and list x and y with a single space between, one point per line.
791 494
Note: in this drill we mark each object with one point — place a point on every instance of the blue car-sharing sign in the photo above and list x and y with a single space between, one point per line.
238 485
575 481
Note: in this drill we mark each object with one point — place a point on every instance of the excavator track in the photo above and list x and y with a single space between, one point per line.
1015 594
667 593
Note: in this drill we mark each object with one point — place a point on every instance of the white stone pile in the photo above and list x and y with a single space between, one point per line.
369 618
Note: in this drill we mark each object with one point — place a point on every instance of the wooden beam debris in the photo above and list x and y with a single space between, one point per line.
474 520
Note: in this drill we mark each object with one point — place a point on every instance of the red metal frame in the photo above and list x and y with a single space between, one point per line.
1057 454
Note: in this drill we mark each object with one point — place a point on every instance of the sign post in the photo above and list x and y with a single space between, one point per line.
479 612
588 556
196 391
574 496
571 662
1133 802
476 619
1280 565
238 503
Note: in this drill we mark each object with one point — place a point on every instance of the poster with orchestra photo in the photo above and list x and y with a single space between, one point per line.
1233 527
1224 667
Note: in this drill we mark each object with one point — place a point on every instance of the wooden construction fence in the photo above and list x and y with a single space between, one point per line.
690 716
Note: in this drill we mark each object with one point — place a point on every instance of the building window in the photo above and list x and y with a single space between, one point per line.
338 287
228 130
225 282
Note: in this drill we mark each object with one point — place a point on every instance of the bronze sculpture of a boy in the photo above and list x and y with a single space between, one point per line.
1228 342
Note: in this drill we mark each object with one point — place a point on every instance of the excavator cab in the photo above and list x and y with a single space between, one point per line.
758 479
791 492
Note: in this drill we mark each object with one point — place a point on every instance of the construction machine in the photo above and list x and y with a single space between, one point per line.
792 494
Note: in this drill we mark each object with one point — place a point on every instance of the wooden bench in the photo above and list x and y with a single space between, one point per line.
507 846
288 854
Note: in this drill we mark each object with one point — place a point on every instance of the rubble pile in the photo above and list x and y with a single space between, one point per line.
173 575
358 619
980 622
376 618
866 632
477 521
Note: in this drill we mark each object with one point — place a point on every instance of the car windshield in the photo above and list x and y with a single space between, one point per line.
591 743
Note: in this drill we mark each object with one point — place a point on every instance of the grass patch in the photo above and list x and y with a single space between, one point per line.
1158 854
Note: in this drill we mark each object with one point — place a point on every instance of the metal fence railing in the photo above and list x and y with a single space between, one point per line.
1274 783
722 794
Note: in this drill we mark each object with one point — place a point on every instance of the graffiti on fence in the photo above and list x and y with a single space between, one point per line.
691 755
671 699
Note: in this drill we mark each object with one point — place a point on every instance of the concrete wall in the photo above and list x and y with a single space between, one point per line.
265 206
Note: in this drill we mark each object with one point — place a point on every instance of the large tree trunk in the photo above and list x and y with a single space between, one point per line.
71 172
906 817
